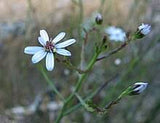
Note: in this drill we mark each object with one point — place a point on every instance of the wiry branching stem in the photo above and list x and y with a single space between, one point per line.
77 87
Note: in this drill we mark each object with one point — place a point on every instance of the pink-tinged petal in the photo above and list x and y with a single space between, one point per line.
44 35
65 43
50 61
63 52
32 49
59 37
38 56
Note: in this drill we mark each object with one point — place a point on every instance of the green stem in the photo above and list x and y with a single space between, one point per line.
78 86
90 96
50 83
79 104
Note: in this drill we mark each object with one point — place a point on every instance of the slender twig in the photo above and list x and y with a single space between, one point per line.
108 106
86 35
82 62
93 94
85 40
87 32
105 84
113 51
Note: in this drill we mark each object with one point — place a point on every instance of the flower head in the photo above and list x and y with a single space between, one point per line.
138 88
144 28
49 48
116 34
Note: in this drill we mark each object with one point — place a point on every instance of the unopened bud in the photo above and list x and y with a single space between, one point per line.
142 30
138 88
99 19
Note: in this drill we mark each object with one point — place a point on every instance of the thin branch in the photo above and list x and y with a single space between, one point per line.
82 62
85 40
113 51
105 84
114 102
93 94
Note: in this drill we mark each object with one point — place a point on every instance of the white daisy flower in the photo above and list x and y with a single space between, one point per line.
49 48
139 87
116 34
144 28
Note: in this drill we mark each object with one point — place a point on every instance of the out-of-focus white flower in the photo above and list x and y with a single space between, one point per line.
49 48
53 106
19 110
116 34
117 61
138 88
144 28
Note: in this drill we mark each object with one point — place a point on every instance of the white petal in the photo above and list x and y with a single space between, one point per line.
44 35
142 86
41 41
63 52
65 43
32 49
50 61
38 56
59 37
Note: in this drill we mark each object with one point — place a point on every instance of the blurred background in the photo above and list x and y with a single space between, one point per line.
21 81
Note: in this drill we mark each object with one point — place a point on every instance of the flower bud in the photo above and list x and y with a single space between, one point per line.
99 19
138 88
142 30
